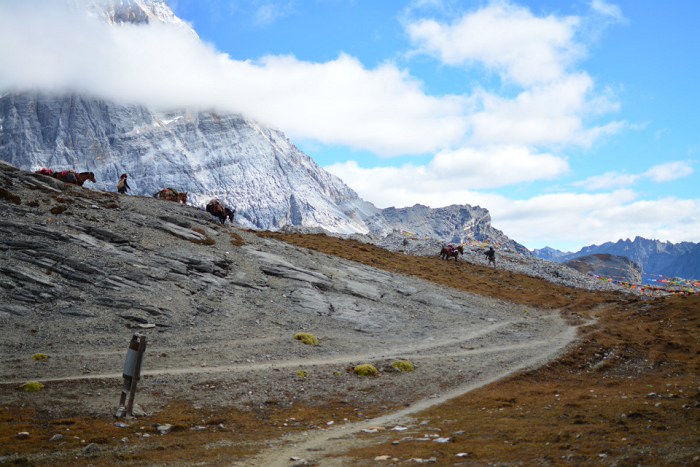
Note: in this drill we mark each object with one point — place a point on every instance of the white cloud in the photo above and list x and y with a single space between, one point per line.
570 220
607 181
449 175
669 172
340 102
659 174
542 115
607 9
268 12
505 38
384 109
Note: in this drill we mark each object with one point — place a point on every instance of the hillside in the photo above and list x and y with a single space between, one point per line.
509 367
619 267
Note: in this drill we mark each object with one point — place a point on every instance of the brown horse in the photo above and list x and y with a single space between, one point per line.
450 251
217 209
171 194
69 176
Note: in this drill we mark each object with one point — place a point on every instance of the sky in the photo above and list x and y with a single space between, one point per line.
574 122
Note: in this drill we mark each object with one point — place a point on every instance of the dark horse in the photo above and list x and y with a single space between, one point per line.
69 176
450 251
217 209
171 194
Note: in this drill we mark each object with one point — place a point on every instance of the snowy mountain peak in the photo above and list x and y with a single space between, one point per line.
134 12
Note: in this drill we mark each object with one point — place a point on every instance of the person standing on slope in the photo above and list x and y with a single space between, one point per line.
122 185
491 256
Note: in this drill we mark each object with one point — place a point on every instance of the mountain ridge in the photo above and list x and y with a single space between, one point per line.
655 258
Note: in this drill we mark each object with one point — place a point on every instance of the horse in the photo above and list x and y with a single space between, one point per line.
74 178
450 251
171 194
69 176
217 209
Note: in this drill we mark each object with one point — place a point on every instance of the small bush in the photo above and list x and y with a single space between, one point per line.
40 357
403 366
366 370
301 374
306 338
32 386
236 240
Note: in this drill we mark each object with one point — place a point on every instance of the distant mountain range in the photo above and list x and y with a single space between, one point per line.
655 258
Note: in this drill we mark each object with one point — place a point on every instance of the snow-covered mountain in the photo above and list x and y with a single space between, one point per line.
253 168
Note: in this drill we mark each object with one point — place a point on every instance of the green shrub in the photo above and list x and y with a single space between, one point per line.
306 338
40 357
32 386
403 366
366 370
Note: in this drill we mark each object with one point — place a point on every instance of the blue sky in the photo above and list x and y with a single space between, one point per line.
573 121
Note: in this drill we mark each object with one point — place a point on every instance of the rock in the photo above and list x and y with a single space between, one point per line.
90 448
22 435
164 429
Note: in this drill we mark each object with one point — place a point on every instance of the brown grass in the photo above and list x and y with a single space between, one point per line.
627 394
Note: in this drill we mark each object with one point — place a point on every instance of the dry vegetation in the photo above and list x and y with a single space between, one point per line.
627 394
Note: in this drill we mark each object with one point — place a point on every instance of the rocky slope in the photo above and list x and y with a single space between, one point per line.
82 269
225 382
617 267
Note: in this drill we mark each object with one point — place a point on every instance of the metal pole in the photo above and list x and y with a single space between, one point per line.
132 372
137 375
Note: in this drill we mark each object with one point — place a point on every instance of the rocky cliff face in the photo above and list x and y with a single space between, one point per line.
250 167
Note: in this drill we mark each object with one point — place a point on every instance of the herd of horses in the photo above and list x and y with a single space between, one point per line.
215 207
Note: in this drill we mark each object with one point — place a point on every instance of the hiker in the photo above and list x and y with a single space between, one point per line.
491 256
122 185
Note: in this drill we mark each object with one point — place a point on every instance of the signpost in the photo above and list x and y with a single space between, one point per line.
131 374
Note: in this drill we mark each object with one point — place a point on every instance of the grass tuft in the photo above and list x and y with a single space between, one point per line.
306 338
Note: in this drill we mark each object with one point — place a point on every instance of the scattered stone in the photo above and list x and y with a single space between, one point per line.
22 435
382 458
442 440
90 448
137 411
164 429
56 437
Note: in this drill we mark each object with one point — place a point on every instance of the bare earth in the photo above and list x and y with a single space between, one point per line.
509 368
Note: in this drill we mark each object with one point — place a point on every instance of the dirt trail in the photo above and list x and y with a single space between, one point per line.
336 440
433 349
